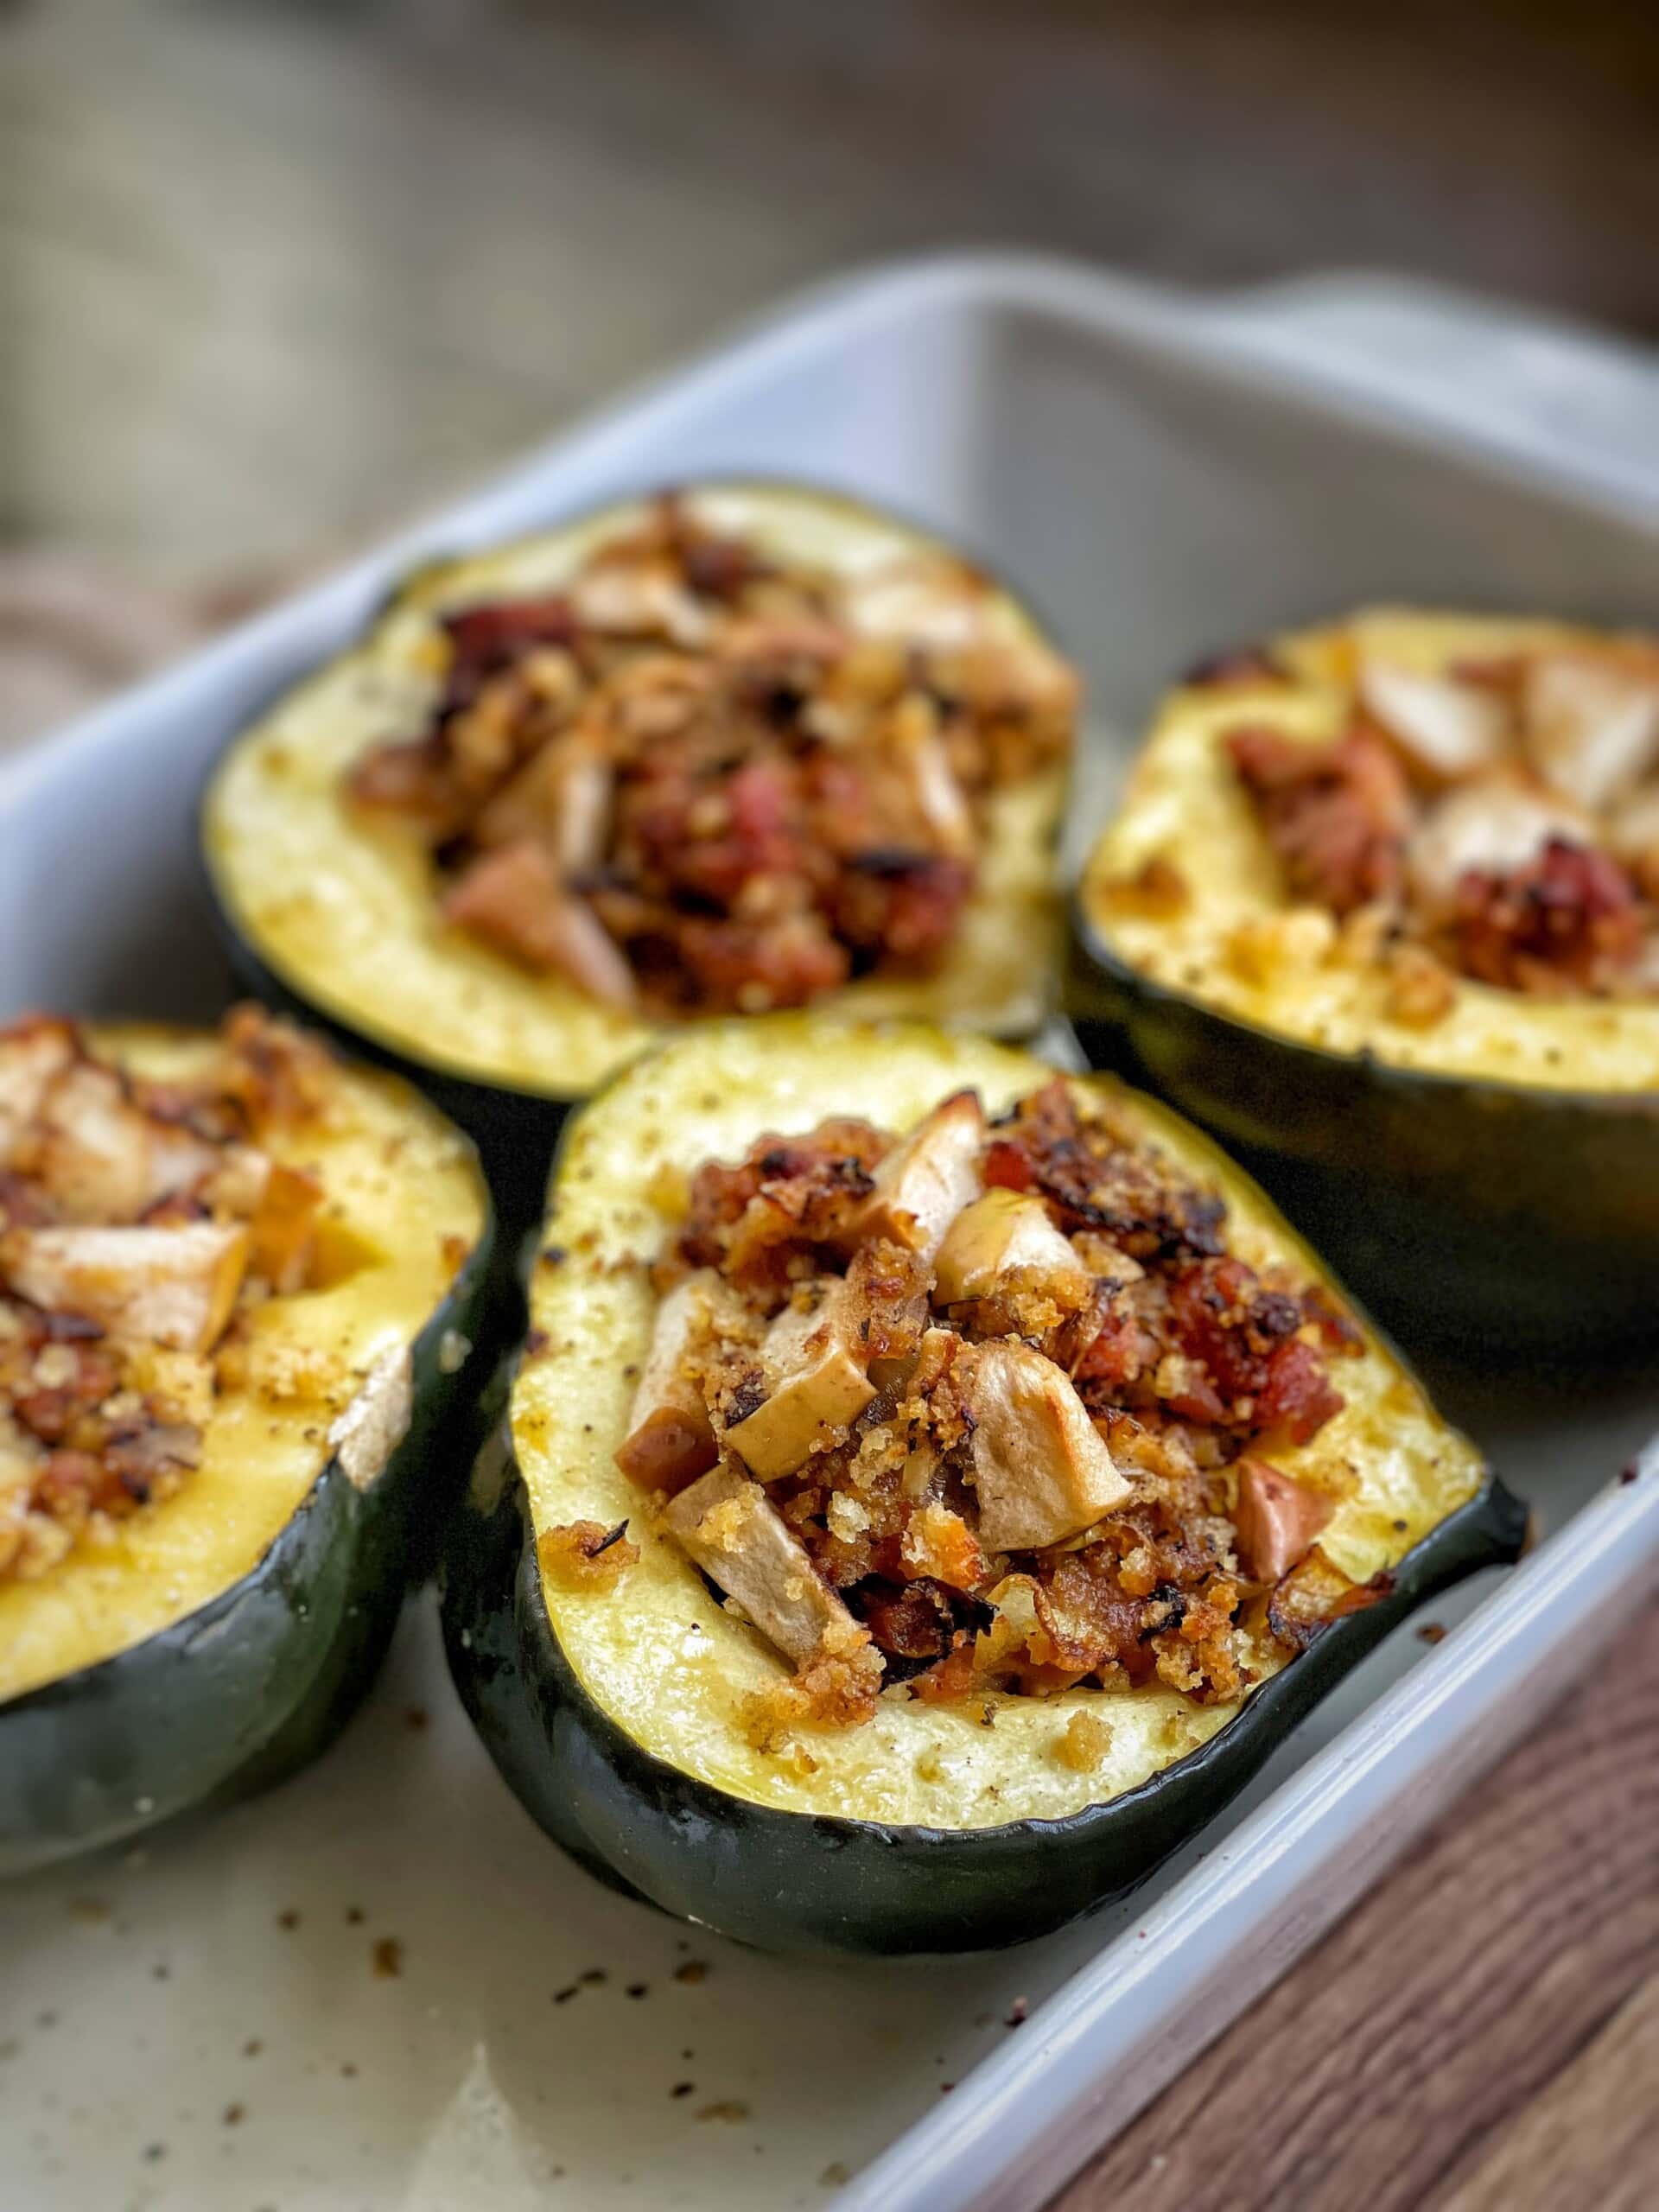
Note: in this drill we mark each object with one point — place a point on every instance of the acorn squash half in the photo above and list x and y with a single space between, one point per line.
617 1712
1486 1174
220 1637
333 912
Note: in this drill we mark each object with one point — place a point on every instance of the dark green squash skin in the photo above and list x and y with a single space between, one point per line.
260 1679
788 1881
1482 1221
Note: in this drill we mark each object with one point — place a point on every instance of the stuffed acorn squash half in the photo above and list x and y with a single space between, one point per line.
933 1485
744 747
243 1299
1381 907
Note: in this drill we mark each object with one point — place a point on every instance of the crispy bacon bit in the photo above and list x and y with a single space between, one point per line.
1572 919
786 1191
484 640
1007 1167
1264 1378
1123 1190
901 907
774 793
916 1621
917 1435
1336 815
1119 1353
131 1213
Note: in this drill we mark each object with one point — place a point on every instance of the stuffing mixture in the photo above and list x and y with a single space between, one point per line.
698 778
985 1405
137 1220
1496 819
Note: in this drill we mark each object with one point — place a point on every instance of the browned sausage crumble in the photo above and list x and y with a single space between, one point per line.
1499 820
988 1406
138 1220
699 779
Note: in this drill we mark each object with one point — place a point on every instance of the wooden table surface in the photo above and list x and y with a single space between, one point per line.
1480 2035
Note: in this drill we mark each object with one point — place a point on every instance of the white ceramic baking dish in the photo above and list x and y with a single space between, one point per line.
200 2022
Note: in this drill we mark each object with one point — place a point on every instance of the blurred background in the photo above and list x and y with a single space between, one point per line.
278 271
274 273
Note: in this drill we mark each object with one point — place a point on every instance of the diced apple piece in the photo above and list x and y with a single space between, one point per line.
817 1386
927 604
1001 1234
562 797
282 1230
1499 823
939 799
512 897
924 1183
731 1529
637 598
100 1160
1591 724
1450 730
32 1054
671 1440
1277 1519
1041 1469
93 1149
174 1286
